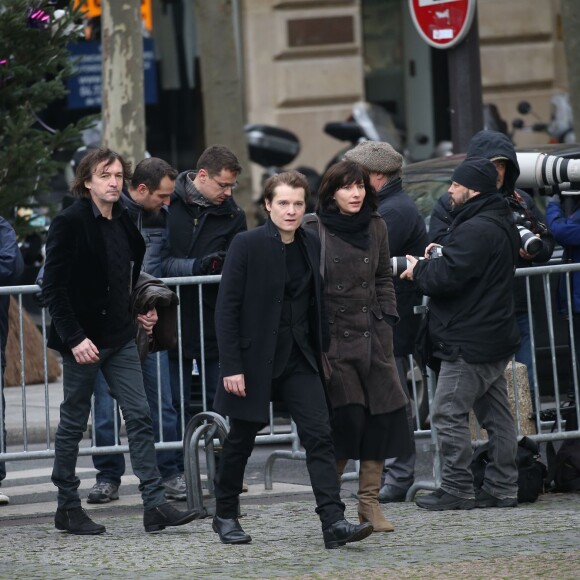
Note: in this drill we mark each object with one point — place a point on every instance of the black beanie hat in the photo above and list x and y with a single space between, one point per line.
477 173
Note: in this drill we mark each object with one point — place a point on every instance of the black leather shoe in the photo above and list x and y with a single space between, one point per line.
486 500
390 493
441 500
343 532
165 515
230 531
76 521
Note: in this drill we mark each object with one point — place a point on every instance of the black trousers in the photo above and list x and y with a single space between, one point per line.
302 392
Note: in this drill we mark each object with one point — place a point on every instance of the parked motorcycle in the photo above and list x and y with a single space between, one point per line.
273 148
560 129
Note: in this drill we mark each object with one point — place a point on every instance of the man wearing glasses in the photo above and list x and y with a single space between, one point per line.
203 219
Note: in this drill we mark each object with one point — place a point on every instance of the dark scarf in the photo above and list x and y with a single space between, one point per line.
191 195
353 229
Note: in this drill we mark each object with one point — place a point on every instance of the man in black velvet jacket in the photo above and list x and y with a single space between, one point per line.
93 259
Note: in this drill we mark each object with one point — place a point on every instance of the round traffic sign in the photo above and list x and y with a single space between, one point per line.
442 23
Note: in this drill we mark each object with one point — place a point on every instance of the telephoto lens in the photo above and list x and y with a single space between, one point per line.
530 243
399 264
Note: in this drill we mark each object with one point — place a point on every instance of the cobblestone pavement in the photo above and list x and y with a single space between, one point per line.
533 541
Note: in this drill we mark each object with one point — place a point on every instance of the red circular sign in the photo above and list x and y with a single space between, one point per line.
442 23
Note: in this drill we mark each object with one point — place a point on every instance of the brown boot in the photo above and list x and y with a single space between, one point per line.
369 484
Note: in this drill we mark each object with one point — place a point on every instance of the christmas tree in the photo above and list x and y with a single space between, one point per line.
34 66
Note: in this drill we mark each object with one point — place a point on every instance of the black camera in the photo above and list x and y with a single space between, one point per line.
399 263
530 243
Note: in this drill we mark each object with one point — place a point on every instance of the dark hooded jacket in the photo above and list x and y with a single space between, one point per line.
490 144
470 286
11 267
195 232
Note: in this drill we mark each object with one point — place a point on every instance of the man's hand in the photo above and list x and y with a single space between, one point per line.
148 320
408 273
236 385
86 352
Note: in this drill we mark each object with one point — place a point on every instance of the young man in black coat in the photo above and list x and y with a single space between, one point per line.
474 333
270 336
93 259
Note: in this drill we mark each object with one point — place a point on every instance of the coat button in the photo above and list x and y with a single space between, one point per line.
365 284
336 260
342 309
339 286
366 260
103 312
364 309
367 334
275 332
346 333
269 361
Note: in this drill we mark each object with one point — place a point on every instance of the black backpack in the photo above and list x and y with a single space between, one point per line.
564 465
531 471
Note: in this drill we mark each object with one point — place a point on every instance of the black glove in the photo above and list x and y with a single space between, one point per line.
37 297
209 265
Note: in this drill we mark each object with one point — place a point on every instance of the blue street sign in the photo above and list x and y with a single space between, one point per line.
85 85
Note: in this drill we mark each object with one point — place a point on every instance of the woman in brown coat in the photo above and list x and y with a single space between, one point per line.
368 404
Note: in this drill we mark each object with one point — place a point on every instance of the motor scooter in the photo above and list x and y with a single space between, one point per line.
560 129
273 148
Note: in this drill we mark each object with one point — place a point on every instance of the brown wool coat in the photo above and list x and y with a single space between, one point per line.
362 308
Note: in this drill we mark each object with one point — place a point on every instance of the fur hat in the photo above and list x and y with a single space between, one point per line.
376 156
477 173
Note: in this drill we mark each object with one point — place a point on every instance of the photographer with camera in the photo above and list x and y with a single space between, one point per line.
566 230
499 149
473 331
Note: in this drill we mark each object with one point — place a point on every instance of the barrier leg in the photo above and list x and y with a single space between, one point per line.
207 425
294 454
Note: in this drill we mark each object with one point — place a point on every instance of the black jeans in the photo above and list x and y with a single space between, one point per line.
302 392
122 370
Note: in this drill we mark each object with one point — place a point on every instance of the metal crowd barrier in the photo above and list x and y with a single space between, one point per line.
278 431
543 319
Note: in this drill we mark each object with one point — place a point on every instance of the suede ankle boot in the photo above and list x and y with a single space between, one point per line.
369 509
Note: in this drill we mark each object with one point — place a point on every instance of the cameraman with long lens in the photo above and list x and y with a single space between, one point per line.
474 334
537 243
566 228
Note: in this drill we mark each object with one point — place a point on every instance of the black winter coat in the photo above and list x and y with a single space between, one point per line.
195 232
407 236
471 285
248 314
76 278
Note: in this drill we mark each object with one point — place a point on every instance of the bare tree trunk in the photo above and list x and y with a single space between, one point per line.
571 24
223 101
123 106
